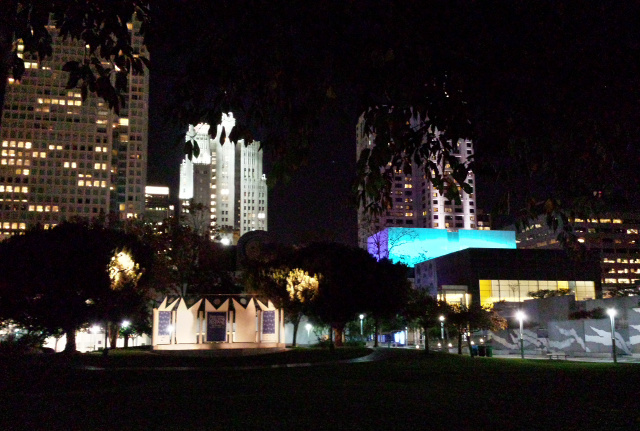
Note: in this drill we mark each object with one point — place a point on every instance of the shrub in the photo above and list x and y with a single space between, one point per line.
20 344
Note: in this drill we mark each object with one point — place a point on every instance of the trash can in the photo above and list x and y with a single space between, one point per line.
489 351
474 350
482 350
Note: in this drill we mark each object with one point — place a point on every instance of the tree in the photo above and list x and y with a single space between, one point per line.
273 273
58 279
548 293
190 263
389 289
302 289
101 25
382 242
468 319
424 310
344 284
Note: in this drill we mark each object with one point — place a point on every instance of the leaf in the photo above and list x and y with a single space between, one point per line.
84 91
196 149
18 67
223 135
71 66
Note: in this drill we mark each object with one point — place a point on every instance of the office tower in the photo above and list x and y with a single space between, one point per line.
158 206
62 157
613 235
416 203
223 190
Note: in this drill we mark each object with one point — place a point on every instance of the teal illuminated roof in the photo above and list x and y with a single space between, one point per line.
414 245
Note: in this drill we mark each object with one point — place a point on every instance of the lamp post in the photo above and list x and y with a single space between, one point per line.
442 328
612 315
361 320
95 329
520 316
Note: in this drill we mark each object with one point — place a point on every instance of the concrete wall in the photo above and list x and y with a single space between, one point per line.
588 337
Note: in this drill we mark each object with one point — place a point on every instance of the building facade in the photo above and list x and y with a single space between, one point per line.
613 236
158 205
489 276
223 191
63 157
416 203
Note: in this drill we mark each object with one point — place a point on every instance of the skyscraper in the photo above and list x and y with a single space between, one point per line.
62 157
416 203
225 181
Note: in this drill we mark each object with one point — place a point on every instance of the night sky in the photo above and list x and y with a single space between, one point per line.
532 70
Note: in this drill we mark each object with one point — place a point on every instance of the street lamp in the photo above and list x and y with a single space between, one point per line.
361 319
612 315
95 329
442 328
521 316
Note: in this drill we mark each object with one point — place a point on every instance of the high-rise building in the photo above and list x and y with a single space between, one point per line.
158 205
416 203
62 157
614 236
223 190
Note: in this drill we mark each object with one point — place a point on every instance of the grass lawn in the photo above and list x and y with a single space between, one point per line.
407 390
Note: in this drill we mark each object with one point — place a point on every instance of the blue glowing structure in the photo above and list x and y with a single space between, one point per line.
414 245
